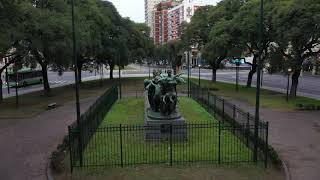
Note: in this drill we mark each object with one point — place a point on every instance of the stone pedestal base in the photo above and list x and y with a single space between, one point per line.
160 127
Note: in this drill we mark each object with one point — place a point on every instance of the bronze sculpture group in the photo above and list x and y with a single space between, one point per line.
162 92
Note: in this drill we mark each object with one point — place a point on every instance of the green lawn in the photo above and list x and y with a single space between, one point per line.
269 99
202 143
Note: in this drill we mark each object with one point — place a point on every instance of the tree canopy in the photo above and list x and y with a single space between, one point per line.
44 28
231 28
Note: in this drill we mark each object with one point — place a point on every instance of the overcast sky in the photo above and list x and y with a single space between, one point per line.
134 9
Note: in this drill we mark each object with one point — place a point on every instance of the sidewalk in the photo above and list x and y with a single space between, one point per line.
296 137
26 144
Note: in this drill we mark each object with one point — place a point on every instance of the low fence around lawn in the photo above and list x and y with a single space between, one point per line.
230 114
125 145
230 140
80 134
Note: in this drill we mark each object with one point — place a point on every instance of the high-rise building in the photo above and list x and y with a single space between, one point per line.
183 13
164 17
149 13
150 7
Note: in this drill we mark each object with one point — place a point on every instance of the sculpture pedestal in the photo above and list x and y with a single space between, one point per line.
160 127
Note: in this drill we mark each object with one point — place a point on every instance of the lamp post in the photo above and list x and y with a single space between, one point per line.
188 65
7 78
257 108
262 74
17 84
119 83
288 83
149 63
199 73
76 76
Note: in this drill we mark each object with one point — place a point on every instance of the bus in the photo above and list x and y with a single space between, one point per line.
24 77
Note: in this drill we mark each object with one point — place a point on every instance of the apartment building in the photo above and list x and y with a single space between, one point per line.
183 13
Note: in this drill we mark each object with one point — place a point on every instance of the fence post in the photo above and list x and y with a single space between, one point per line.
121 149
234 118
219 144
248 128
202 96
223 110
80 144
70 149
208 103
170 144
234 113
214 105
266 146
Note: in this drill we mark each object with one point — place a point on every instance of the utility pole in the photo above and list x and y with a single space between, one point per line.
7 77
76 76
119 83
188 66
257 110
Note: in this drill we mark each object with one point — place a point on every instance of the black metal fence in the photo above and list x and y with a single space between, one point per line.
126 145
228 140
81 134
230 114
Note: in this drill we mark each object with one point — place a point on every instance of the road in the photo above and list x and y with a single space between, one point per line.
309 86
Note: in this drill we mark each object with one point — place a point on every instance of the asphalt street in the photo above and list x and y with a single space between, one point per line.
309 86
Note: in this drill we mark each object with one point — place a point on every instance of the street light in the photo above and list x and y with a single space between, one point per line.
257 109
188 65
7 78
288 83
119 82
199 73
149 63
76 81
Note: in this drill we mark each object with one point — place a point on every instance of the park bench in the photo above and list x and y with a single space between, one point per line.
52 105
307 107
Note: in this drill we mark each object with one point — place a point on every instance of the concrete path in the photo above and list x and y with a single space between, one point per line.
26 144
296 137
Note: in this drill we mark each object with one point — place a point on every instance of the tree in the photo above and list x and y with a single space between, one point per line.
45 27
10 17
222 44
297 33
207 30
247 22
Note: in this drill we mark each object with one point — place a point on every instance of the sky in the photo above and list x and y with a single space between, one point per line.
134 9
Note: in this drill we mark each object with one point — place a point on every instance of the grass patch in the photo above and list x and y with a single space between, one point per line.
268 98
125 111
202 144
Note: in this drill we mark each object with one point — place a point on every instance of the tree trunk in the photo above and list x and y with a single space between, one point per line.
175 70
214 75
45 80
44 70
111 72
79 71
252 71
295 82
